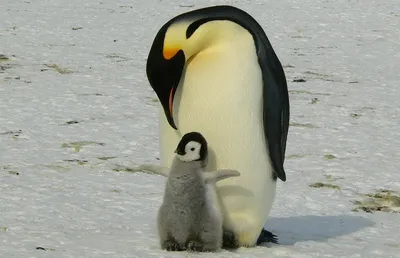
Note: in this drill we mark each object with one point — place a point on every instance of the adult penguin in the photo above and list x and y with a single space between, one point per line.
215 72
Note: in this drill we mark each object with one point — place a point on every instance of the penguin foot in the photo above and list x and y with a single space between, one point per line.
267 237
171 245
195 246
229 240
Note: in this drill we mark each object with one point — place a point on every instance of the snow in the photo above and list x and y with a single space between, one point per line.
83 62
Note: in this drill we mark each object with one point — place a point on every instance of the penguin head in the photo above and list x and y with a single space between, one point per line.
192 147
179 40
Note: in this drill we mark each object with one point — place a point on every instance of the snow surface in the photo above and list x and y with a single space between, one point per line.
69 199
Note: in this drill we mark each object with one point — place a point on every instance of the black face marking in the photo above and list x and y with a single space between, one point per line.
195 137
164 75
276 110
195 25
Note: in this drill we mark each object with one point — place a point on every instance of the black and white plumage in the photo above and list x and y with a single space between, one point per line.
214 70
189 217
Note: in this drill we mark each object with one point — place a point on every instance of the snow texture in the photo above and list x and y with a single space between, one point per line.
76 109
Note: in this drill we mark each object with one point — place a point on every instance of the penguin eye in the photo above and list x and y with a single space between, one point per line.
192 149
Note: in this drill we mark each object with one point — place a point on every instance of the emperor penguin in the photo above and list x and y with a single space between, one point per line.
189 217
215 71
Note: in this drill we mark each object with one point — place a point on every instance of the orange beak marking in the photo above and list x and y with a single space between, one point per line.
171 95
169 53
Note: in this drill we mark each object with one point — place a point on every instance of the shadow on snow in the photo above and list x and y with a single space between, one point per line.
291 230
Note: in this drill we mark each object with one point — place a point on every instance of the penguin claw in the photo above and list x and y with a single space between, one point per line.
171 245
229 240
195 246
267 237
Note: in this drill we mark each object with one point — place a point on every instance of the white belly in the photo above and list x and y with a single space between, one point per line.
220 96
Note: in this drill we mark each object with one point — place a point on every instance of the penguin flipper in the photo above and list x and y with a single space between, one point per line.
275 105
156 169
220 174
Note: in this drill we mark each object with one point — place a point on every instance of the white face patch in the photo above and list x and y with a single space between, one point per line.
192 150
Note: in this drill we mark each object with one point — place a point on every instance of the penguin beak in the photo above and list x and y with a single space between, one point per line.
164 69
170 52
180 152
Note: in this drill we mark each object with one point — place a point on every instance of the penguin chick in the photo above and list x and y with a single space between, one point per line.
189 217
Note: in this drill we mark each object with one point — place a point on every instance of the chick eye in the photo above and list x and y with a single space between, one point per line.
192 149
